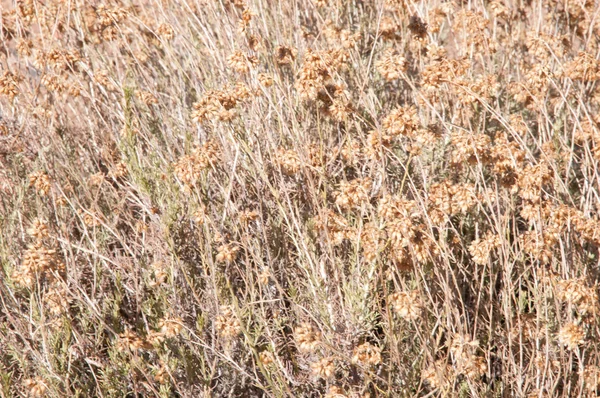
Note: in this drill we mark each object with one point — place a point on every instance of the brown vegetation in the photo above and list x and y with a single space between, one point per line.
289 198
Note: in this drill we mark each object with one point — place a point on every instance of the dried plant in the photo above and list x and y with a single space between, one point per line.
297 199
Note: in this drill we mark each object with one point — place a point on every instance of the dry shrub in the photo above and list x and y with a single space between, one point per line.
339 199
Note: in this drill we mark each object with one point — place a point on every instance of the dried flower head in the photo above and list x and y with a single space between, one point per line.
576 293
89 219
199 216
437 374
462 348
159 274
354 193
241 62
38 262
285 55
170 327
147 97
402 121
227 253
307 337
480 249
473 366
38 229
288 160
165 31
391 65
366 354
188 169
247 216
35 387
8 85
96 180
227 324
470 148
265 79
333 225
41 182
584 67
389 28
441 71
131 341
57 301
266 358
118 171
571 336
531 181
591 377
161 375
406 304
324 368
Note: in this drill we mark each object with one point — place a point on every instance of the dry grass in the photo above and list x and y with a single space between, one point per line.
298 199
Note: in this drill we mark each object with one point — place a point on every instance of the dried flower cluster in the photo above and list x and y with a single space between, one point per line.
406 304
367 354
307 338
189 168
227 324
